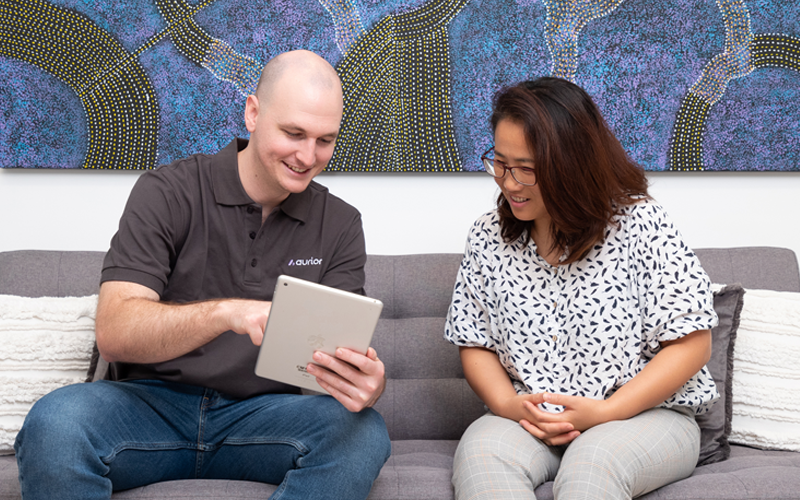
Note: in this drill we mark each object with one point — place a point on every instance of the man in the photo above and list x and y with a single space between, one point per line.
183 305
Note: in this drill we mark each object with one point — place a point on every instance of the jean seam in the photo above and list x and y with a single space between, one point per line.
298 445
205 403
133 445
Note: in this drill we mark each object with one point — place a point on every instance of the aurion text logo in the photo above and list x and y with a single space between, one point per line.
305 262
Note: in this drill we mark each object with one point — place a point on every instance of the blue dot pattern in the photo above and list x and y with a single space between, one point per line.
585 328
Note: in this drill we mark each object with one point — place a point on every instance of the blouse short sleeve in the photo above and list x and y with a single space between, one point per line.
674 290
470 318
588 327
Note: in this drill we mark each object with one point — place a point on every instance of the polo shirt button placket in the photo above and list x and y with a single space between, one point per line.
254 263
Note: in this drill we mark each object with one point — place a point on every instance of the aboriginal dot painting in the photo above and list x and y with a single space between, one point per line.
687 85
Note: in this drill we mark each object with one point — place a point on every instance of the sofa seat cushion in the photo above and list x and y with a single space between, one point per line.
422 470
748 473
417 469
9 484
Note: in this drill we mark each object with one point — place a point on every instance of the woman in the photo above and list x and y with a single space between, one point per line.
582 319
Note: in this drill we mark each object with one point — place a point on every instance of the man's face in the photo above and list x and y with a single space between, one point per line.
293 132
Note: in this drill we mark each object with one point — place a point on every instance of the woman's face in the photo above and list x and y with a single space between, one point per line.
511 148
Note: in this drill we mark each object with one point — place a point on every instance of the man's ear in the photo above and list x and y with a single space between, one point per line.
251 113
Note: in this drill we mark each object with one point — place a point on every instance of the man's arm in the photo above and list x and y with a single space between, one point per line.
134 326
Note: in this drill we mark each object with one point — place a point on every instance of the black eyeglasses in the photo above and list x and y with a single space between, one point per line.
496 168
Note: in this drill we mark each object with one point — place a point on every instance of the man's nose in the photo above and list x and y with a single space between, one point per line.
306 153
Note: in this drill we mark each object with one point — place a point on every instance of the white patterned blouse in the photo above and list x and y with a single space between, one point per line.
585 328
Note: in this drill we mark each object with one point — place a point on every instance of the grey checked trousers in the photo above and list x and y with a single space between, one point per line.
498 459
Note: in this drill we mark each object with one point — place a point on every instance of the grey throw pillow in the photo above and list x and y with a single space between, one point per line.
715 425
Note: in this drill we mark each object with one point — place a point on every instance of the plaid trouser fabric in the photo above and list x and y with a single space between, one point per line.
498 459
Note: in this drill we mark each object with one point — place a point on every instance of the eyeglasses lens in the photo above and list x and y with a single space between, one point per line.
523 175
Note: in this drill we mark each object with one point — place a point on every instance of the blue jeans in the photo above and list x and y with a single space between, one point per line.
85 440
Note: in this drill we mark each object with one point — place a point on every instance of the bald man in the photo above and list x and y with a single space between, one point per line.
184 298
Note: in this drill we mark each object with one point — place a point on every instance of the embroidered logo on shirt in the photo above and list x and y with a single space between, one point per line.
305 262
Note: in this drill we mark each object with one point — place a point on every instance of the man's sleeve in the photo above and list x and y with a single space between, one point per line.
346 269
146 243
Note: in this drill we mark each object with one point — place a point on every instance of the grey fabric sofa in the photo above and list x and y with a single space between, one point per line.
428 404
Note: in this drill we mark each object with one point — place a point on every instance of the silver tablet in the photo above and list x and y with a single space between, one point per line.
306 317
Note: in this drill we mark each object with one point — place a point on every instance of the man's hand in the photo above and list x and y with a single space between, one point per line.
247 317
561 428
355 380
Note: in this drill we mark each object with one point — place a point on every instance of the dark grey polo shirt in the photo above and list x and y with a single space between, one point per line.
190 232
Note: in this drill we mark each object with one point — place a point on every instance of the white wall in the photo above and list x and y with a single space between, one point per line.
404 213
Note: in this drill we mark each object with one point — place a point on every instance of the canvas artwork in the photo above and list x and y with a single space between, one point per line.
687 85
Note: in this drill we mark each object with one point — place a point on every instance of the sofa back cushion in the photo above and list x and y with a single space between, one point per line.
753 267
45 273
426 395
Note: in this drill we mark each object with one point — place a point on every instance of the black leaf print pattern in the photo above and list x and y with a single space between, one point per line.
588 327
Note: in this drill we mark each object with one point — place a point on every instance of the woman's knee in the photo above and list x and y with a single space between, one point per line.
501 449
625 459
591 472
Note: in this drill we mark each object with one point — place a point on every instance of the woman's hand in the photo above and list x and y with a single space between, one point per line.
523 409
561 428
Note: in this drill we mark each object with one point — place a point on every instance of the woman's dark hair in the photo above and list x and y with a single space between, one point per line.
584 175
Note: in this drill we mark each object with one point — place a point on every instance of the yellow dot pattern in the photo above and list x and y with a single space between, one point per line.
775 50
565 20
346 20
186 35
744 52
687 143
734 62
120 104
228 65
396 81
211 53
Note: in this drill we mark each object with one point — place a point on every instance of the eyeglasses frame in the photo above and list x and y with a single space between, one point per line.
485 158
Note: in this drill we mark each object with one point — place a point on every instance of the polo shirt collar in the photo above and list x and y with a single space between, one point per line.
228 189
298 205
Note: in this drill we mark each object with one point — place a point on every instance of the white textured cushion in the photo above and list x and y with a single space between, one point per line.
45 343
766 372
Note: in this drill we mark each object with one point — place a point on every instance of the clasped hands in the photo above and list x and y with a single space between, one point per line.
555 428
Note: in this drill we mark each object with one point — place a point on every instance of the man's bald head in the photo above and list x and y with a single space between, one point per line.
293 119
298 67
